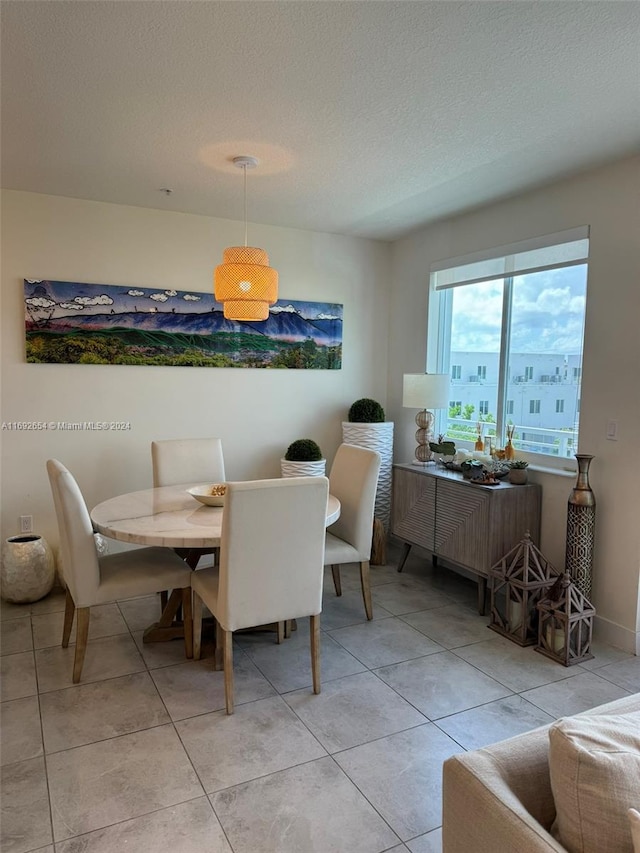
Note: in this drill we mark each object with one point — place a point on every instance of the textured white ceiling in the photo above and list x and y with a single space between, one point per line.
369 118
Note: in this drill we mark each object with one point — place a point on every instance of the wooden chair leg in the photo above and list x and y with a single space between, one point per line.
69 610
287 629
187 621
197 626
280 630
164 598
314 622
218 663
228 669
82 634
366 588
335 571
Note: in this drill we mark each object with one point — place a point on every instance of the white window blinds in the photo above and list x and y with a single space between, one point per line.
552 251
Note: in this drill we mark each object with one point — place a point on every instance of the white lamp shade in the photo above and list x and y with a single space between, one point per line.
425 391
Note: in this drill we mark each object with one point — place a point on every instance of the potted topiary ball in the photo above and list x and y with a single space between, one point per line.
366 411
367 427
303 459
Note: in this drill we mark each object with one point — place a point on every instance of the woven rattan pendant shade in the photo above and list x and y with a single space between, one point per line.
244 282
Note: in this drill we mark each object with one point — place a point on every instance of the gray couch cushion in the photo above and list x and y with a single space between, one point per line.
594 766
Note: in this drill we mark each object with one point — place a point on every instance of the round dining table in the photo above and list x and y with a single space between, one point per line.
171 517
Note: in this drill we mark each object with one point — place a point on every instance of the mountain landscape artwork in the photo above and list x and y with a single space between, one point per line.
73 323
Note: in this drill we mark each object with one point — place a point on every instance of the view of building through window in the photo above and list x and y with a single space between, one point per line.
513 349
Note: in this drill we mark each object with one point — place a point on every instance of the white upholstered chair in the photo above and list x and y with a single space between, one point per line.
353 479
271 565
96 580
187 460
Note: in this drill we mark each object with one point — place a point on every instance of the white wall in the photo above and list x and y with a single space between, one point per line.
607 199
256 412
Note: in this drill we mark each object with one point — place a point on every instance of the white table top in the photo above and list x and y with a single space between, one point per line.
168 516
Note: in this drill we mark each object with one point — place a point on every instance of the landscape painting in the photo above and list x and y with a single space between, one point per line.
72 323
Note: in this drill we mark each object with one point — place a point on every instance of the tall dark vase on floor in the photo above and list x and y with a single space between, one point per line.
581 520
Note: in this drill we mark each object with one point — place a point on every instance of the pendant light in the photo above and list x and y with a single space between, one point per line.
244 282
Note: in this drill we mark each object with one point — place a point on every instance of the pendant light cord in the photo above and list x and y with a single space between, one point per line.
244 169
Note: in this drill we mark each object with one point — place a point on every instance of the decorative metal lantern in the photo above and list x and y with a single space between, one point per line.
565 623
518 581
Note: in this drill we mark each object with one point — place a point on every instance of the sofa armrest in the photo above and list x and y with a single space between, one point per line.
499 798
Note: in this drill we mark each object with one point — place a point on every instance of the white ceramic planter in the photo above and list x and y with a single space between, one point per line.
302 469
28 569
518 476
378 437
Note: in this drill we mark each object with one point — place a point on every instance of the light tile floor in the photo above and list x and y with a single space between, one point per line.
141 755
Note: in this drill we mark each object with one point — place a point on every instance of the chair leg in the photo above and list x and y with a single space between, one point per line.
228 670
280 632
82 634
187 621
69 610
314 622
335 571
197 626
164 598
287 629
217 661
366 588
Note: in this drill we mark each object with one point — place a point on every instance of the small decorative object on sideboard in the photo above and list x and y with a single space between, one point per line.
581 522
518 581
479 445
509 450
28 569
518 474
303 459
367 427
565 623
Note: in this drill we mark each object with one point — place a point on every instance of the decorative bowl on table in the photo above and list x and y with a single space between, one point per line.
212 495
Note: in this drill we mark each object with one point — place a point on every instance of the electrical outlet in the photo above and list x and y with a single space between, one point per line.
26 524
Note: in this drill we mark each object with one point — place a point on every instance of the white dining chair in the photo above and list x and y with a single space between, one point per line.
94 580
353 479
187 460
271 565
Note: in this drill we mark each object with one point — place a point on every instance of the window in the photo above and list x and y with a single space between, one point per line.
531 324
559 407
455 404
456 371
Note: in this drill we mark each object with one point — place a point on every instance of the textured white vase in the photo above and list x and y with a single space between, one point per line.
28 569
288 468
378 437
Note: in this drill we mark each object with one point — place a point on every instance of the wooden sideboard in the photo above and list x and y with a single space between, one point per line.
466 525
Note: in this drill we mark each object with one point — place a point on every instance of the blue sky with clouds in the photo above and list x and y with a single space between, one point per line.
547 313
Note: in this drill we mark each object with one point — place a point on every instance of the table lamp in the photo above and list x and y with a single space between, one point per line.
425 391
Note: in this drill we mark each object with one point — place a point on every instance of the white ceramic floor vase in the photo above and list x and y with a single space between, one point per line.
289 468
28 569
378 437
